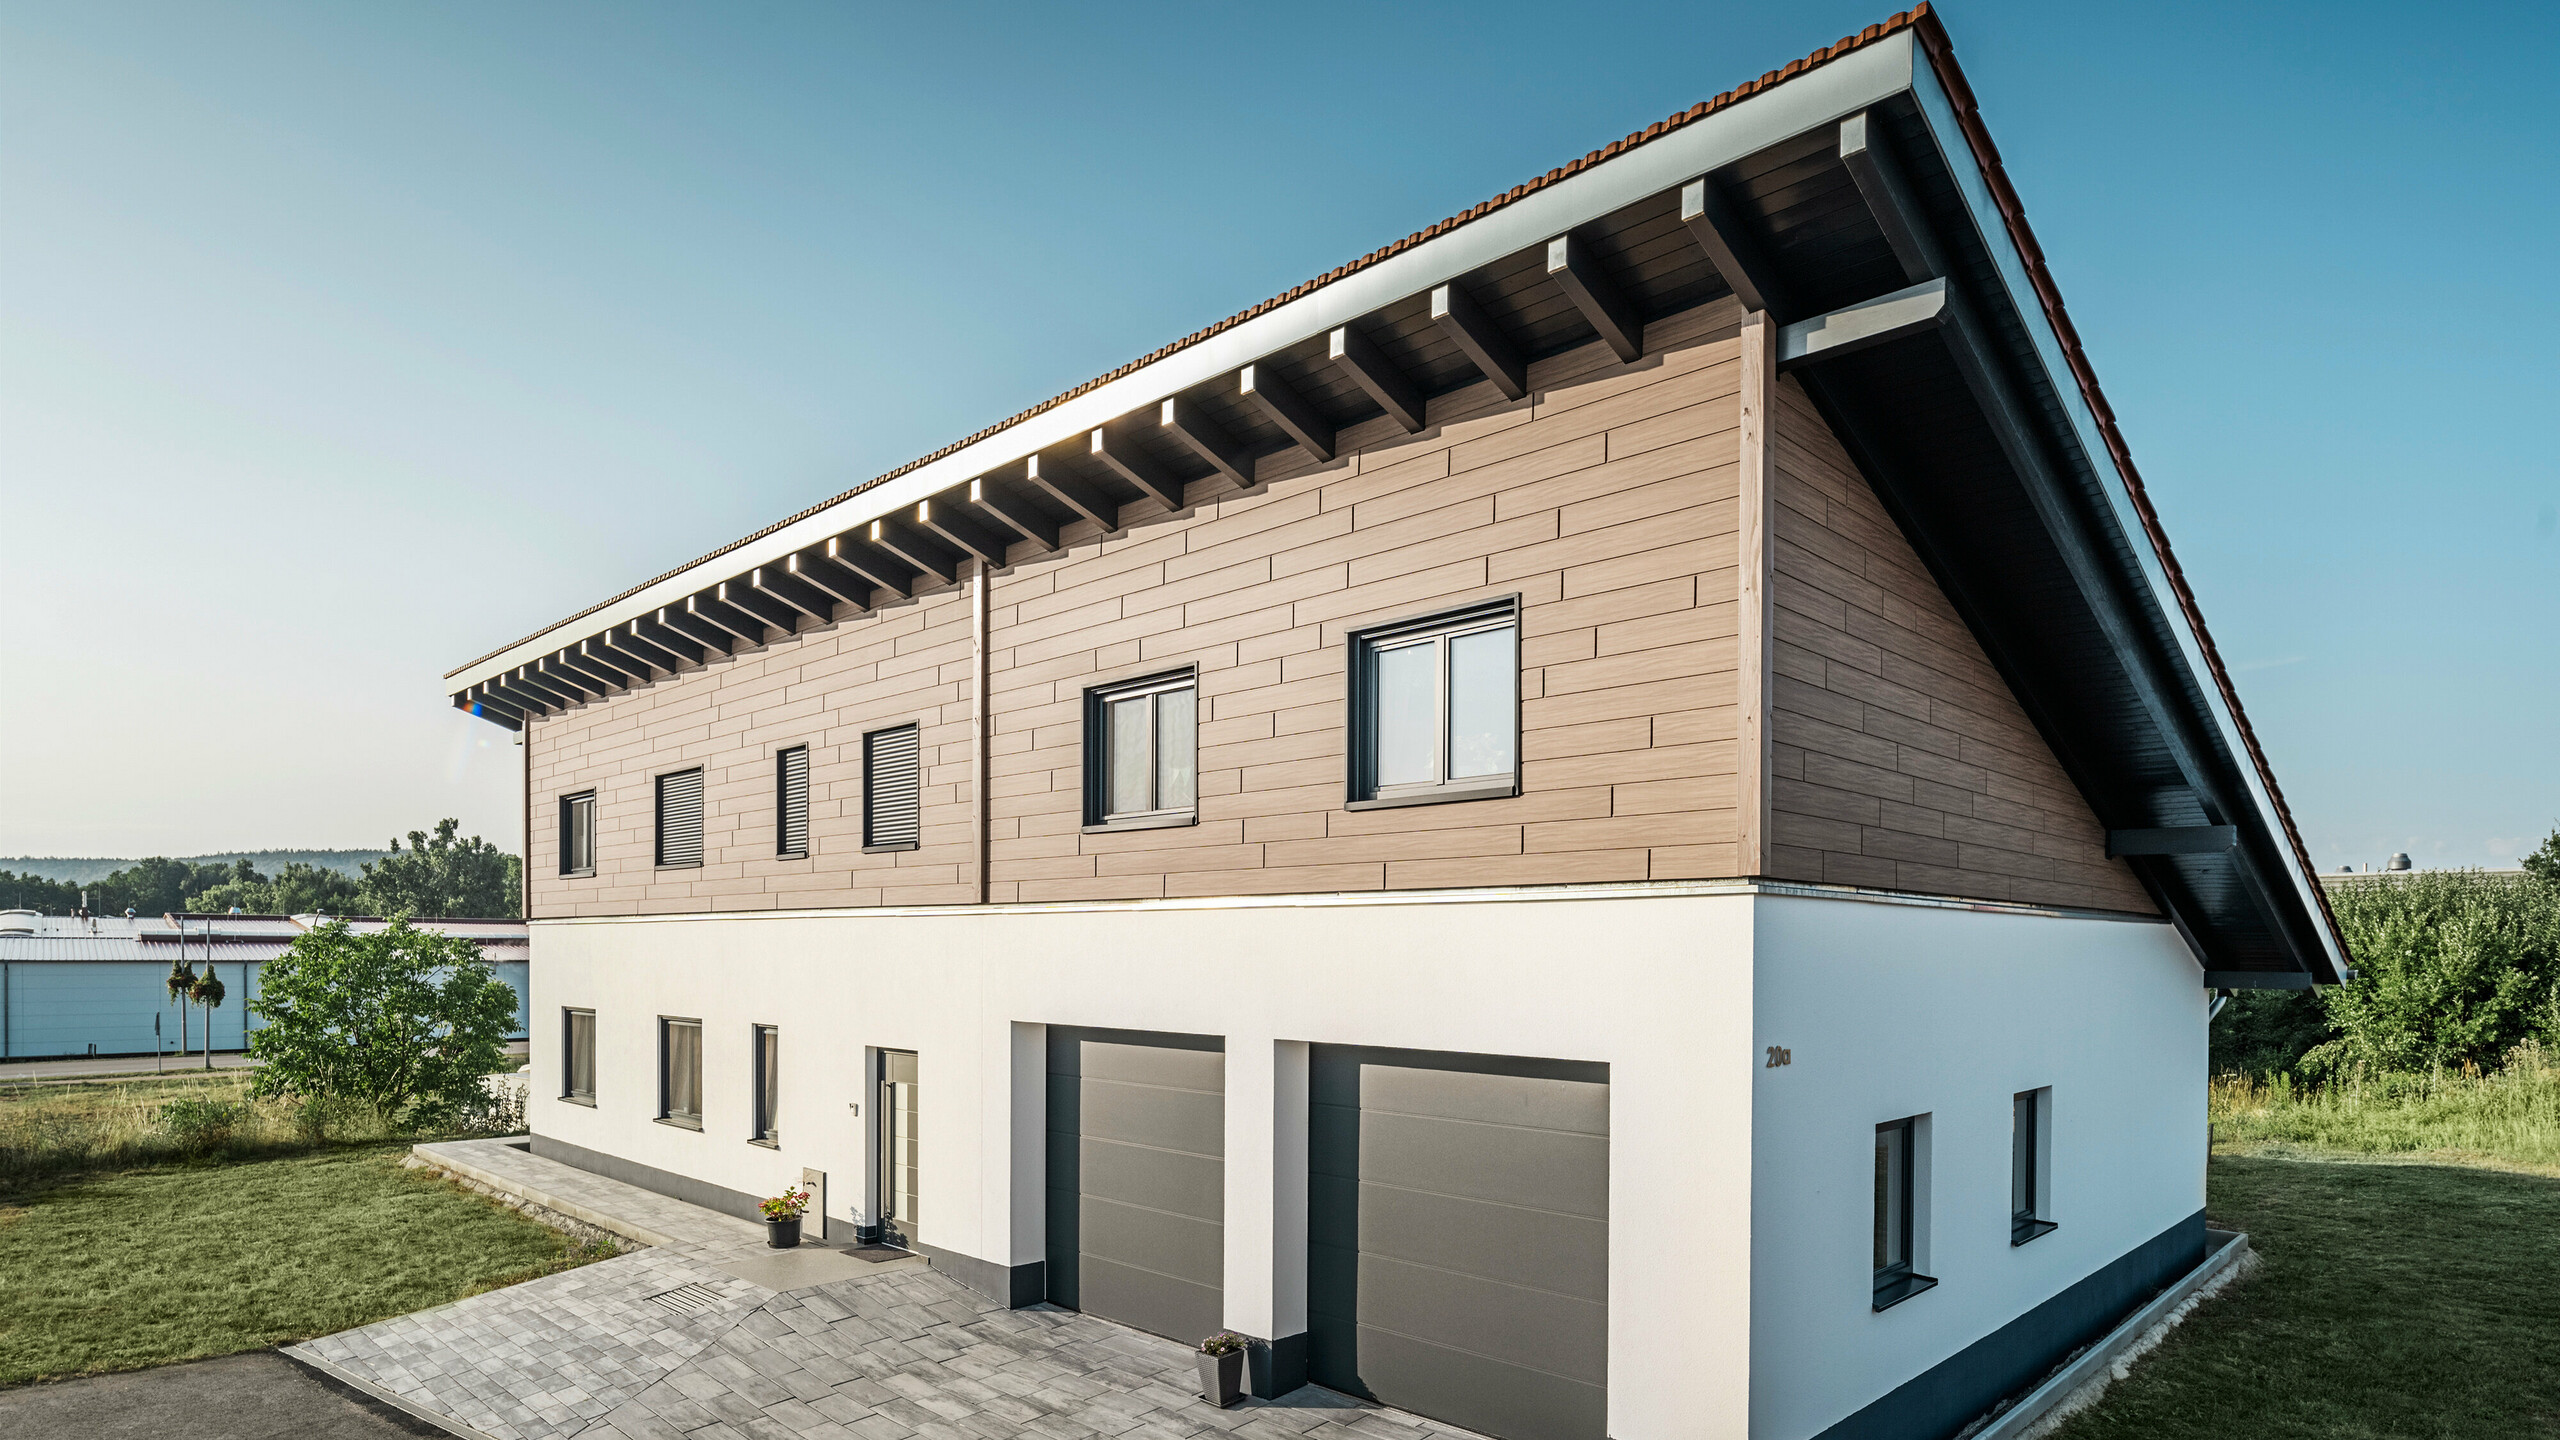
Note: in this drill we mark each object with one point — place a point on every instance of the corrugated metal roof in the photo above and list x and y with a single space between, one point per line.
160 939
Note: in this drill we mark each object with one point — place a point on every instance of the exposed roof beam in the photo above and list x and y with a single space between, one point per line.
481 703
1869 322
624 671
882 570
711 611
600 678
815 570
953 524
743 596
1889 199
658 652
1123 458
1073 493
529 680
1014 512
1471 330
578 689
1576 271
1370 369
778 582
1183 418
1728 241
933 559
2178 840
1286 408
714 639
524 700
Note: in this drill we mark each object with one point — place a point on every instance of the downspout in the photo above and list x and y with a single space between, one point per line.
978 738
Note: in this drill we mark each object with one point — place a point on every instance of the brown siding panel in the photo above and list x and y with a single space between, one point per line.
1900 759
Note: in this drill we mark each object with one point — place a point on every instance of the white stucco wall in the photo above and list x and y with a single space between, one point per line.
1656 984
1895 1010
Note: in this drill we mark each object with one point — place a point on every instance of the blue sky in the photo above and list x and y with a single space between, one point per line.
340 344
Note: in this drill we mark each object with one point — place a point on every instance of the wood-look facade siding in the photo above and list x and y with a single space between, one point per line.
1608 501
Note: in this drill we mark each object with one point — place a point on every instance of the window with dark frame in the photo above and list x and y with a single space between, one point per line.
791 803
1897 1147
2029 1129
680 818
1435 708
768 1053
578 1056
1142 750
578 834
892 789
680 1072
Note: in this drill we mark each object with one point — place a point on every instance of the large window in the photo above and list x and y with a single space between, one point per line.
768 1048
578 834
578 1056
892 789
2030 1169
1899 1215
791 803
680 818
680 1072
1435 708
1142 748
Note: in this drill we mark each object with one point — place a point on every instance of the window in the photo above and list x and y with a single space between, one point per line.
1435 708
578 1056
2030 1173
578 834
1899 1218
768 1046
680 1072
892 779
680 818
1142 748
791 803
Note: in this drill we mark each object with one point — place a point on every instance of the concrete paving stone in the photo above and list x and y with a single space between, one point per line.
879 1427
840 1407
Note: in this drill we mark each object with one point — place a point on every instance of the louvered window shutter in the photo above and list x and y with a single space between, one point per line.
891 779
791 802
680 818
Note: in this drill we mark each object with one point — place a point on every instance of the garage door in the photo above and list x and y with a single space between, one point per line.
1137 1178
1458 1237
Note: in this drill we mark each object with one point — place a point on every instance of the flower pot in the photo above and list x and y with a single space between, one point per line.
782 1234
1221 1378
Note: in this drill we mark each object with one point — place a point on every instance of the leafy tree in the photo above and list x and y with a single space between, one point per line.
207 991
297 889
2544 864
2451 968
404 1020
443 875
35 892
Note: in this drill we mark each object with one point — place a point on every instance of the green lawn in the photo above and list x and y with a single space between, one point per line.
2394 1298
179 1262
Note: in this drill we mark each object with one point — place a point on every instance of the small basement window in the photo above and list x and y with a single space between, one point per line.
768 1057
2030 1165
1435 708
680 1072
1899 1216
578 1056
1142 751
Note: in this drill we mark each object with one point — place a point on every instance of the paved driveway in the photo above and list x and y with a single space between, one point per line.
258 1396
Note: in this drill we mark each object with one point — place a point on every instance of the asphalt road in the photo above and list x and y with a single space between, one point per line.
257 1396
126 1067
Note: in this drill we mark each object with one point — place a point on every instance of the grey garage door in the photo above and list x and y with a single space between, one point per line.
1458 1237
1137 1178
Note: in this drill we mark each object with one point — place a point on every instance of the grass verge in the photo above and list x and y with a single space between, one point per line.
182 1262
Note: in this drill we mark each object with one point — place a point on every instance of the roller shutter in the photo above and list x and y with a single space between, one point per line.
1458 1237
1137 1178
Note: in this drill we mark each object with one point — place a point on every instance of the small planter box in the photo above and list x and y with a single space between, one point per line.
782 1234
1222 1378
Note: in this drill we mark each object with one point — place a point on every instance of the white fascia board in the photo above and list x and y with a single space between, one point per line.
1846 85
1994 231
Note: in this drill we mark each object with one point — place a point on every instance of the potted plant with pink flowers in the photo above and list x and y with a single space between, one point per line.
782 1218
1221 1360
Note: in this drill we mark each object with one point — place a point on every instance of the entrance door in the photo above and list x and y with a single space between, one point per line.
1458 1237
896 1107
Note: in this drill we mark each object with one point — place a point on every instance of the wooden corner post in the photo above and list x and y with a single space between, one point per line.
1755 652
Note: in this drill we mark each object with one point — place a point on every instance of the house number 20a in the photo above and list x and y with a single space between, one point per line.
1779 1055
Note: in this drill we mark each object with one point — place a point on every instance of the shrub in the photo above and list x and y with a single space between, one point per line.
404 1020
198 1127
2452 968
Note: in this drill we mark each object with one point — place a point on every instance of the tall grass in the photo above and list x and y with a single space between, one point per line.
52 1130
2510 1115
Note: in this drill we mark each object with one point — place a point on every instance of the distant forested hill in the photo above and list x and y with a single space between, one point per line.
82 871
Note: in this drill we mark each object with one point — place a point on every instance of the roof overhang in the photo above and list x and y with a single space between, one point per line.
1856 196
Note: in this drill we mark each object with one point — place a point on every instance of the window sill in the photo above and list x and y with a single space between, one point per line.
577 874
774 1144
1145 822
688 865
680 1123
2022 1231
1902 1287
888 849
790 854
1502 789
587 1100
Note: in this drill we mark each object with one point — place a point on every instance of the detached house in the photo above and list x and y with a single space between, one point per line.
1613 820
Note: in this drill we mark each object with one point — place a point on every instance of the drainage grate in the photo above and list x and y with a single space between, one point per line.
687 1299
